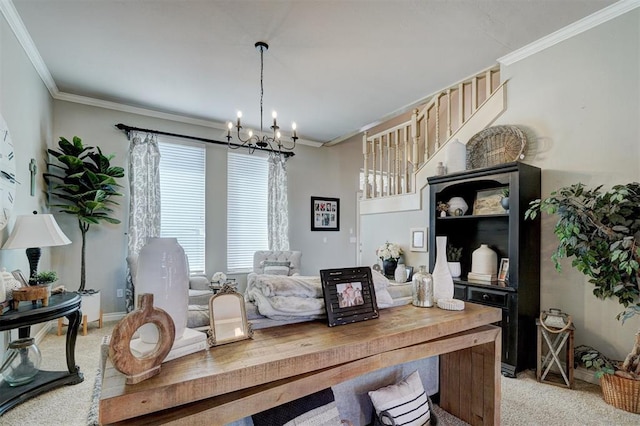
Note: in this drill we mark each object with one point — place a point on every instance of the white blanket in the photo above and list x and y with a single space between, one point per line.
284 297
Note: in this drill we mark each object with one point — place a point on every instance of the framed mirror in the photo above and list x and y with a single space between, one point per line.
227 318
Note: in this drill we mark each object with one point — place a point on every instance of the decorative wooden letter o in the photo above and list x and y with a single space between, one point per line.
134 368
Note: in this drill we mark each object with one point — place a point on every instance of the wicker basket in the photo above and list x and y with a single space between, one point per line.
621 392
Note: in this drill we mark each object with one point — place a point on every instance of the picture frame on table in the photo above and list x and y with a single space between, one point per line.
409 273
487 202
503 273
349 295
418 239
325 214
18 275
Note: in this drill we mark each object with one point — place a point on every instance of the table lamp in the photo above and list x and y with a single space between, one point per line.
32 232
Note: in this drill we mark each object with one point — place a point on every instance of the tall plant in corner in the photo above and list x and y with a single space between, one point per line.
84 181
600 231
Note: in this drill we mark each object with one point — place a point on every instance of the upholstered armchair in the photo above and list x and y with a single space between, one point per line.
276 259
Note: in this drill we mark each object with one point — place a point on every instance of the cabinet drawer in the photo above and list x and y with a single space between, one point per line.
488 297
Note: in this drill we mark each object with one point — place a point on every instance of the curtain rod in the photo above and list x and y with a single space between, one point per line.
129 129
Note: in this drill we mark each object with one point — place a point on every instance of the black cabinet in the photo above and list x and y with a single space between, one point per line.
510 236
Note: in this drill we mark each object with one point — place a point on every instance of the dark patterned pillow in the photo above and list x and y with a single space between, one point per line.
272 267
316 409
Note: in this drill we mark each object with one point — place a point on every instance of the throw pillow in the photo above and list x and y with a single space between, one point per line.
272 267
316 409
198 282
405 403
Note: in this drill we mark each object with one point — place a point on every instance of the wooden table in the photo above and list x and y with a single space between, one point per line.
284 363
60 305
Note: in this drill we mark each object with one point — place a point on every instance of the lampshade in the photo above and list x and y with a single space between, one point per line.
36 230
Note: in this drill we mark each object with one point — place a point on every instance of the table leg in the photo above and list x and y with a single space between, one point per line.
72 334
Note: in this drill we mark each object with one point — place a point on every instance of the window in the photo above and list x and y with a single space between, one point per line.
247 202
182 194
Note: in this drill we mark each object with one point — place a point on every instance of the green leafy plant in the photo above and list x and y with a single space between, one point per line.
600 231
454 254
84 181
592 359
505 192
46 277
442 207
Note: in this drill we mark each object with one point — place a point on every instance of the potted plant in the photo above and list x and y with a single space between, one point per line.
84 181
600 231
504 201
453 260
389 253
45 277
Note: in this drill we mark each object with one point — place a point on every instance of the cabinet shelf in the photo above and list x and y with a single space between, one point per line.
510 236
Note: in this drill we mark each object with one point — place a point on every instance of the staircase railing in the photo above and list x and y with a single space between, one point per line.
393 156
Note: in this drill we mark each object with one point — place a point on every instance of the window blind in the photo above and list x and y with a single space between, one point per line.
182 198
247 202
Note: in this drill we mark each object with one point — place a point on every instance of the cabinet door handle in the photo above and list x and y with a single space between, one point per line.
485 297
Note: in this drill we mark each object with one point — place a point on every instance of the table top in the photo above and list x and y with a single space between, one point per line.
281 352
27 314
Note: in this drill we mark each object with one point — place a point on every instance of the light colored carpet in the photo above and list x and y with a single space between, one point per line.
524 400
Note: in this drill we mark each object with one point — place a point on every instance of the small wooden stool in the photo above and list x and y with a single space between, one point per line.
84 324
555 340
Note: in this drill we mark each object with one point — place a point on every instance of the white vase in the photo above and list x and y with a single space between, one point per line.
455 268
400 275
484 260
457 206
442 279
163 271
456 156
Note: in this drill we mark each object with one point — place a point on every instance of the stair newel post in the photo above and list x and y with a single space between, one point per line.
365 153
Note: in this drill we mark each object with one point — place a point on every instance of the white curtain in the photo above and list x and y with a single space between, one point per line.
278 204
144 201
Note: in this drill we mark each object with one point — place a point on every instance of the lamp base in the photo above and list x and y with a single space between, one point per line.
33 254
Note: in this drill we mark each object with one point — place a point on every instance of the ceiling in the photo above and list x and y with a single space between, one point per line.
334 67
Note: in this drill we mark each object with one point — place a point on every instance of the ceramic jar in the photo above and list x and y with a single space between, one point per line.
422 288
400 275
442 279
163 271
457 206
389 267
484 261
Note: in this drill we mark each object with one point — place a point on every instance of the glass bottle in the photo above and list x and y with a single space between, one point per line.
21 362
422 288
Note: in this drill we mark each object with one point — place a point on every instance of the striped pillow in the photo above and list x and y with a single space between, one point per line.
276 268
405 403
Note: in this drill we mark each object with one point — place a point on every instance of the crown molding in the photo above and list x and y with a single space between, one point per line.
578 27
17 26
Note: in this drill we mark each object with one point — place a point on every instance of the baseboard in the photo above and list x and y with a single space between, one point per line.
114 316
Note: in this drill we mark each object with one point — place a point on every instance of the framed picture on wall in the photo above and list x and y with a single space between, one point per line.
418 239
503 274
325 214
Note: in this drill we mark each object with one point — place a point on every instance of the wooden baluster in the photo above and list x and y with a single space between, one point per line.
425 120
380 192
414 140
389 169
460 105
402 161
374 153
436 106
407 141
448 113
474 94
365 152
487 85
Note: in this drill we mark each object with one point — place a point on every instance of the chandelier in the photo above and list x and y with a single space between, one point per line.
272 142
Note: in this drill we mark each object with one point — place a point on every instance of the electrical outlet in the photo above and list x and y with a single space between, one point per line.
119 292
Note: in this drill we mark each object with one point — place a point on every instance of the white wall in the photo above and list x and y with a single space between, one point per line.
312 171
26 106
580 102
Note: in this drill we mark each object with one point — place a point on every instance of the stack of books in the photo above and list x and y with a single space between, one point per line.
475 276
191 341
